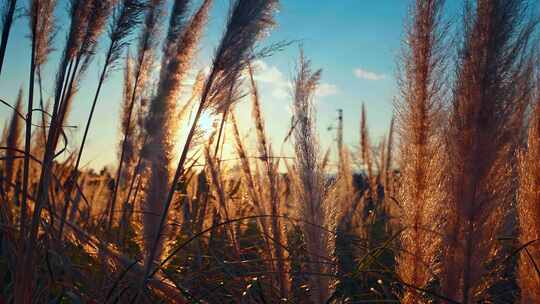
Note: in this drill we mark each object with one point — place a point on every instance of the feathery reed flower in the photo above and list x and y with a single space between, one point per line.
313 207
161 122
365 146
13 138
479 143
528 209
145 58
418 113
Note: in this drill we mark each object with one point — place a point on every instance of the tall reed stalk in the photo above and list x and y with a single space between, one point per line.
312 203
419 113
479 143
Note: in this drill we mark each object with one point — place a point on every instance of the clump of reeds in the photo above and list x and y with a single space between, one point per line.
484 117
126 17
223 204
42 33
138 79
419 114
247 21
269 202
82 41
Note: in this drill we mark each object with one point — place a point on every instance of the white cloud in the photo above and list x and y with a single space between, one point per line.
327 89
268 74
279 86
283 92
368 75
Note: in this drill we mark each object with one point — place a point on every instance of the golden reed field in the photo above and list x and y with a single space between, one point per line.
444 209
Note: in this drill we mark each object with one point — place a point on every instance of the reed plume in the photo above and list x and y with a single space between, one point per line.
528 208
224 91
89 20
126 18
43 13
480 145
12 141
177 26
161 123
128 144
365 146
8 10
46 30
147 43
256 198
419 112
79 13
381 163
96 22
248 22
313 207
388 175
127 15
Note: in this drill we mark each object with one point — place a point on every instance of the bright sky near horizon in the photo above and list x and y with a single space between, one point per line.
355 42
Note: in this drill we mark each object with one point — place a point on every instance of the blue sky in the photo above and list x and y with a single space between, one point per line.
354 42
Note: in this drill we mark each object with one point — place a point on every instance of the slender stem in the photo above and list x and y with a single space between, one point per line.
133 178
224 118
5 31
124 145
43 119
221 126
28 132
125 217
75 172
65 82
24 279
